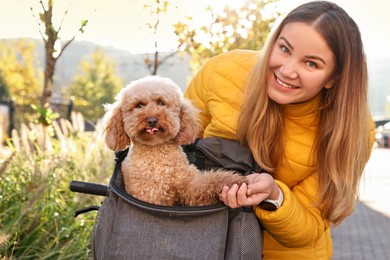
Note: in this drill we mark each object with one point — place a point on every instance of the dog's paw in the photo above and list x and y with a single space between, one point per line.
236 179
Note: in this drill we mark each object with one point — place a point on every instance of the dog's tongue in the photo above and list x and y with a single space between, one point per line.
152 130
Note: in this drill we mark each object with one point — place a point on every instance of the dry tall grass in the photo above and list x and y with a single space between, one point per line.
36 206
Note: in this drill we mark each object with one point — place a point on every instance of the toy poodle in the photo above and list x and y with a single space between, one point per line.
151 116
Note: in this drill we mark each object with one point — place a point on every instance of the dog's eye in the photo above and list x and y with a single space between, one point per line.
161 103
140 105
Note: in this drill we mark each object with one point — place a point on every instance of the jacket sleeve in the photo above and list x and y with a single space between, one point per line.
298 223
197 92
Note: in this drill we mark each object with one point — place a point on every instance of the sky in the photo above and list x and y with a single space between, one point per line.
121 23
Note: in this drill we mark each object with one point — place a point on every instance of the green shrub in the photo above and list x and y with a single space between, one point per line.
36 206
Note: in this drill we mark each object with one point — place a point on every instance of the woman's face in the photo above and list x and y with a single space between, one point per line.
300 66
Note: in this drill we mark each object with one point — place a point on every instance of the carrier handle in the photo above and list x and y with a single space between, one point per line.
89 188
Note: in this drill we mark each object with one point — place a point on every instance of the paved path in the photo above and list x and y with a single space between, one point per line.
365 235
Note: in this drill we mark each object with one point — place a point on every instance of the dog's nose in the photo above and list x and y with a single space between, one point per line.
151 121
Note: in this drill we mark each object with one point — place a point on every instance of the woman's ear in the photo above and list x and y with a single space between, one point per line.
331 82
189 125
115 136
329 85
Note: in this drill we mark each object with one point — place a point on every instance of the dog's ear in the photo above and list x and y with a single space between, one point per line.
189 124
115 136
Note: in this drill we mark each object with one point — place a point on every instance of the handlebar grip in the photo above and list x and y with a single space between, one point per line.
89 188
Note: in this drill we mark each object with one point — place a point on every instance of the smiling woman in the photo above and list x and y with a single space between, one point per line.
300 105
300 66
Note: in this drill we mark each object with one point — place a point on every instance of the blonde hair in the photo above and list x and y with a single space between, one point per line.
342 142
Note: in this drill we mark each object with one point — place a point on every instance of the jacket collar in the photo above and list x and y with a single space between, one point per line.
304 114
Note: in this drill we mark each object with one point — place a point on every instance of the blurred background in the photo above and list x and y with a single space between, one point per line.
61 61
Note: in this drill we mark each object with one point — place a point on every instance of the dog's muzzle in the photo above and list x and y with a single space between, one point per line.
152 121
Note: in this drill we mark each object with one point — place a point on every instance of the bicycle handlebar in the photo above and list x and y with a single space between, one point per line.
89 188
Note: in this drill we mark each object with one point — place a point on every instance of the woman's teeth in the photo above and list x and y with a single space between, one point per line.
284 84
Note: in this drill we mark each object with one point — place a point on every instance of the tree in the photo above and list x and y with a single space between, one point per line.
19 76
96 85
156 9
51 37
242 28
4 92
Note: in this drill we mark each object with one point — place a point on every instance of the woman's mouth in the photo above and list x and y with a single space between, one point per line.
284 85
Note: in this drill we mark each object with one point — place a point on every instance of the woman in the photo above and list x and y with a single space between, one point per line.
301 107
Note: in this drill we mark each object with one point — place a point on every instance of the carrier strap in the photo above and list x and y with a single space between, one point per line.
85 210
120 155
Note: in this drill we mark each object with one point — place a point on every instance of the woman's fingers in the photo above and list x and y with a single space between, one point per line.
232 196
238 196
242 199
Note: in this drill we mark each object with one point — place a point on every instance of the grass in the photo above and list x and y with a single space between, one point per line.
36 206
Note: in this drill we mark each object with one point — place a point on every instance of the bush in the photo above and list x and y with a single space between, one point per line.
36 206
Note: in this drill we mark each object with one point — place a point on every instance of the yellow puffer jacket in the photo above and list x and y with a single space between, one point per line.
296 230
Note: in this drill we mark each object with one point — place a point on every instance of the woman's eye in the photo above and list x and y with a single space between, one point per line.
311 64
284 49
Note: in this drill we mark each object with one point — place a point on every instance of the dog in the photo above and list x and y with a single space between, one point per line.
151 116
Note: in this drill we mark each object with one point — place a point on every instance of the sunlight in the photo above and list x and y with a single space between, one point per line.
219 5
122 25
267 12
107 26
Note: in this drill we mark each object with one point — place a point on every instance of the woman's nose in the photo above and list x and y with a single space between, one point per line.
289 69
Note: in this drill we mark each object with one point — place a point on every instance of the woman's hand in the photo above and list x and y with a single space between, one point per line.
260 186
